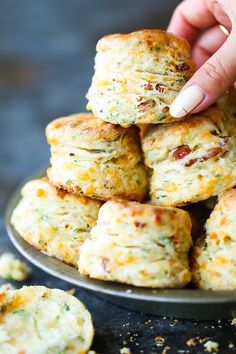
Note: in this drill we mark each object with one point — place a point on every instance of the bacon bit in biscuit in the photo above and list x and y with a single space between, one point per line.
191 162
61 194
213 152
148 42
210 153
165 109
157 218
146 106
148 87
139 98
159 87
139 224
174 240
180 152
105 262
182 67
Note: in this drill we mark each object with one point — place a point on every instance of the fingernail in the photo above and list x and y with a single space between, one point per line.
186 101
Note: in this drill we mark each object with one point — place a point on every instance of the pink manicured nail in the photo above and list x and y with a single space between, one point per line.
186 101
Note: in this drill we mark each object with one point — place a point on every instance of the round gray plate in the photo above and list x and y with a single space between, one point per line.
181 303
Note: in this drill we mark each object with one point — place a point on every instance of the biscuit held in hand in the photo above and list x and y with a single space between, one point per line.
138 75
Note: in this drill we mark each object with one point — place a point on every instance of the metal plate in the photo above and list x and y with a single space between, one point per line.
177 303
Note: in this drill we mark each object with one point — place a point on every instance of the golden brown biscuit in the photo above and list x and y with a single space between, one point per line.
95 158
191 160
139 244
214 256
228 102
138 75
54 221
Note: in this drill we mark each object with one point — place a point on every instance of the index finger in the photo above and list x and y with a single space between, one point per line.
190 17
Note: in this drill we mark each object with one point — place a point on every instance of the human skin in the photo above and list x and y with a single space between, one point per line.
213 50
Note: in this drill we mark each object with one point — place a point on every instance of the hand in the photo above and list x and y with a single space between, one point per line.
214 51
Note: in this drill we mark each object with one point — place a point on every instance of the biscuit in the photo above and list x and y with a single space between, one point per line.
191 160
228 102
54 221
95 158
137 76
40 320
214 256
138 244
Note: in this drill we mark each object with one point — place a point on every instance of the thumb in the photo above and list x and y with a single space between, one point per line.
210 82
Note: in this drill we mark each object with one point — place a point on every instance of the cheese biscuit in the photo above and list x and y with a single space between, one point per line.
39 320
97 159
54 221
138 75
139 244
191 160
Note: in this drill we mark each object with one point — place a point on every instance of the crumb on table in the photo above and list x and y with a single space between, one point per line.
211 347
13 268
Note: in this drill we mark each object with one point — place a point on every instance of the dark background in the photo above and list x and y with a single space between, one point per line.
47 49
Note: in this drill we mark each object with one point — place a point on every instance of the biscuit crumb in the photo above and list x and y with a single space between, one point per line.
192 341
72 292
6 287
13 268
231 345
165 350
211 347
233 322
125 351
160 341
174 323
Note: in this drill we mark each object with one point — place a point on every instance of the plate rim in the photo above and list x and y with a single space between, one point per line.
41 260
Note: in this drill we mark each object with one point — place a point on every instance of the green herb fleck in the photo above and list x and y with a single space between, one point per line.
67 307
162 116
3 308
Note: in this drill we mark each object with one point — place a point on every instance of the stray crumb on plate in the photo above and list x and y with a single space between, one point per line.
13 268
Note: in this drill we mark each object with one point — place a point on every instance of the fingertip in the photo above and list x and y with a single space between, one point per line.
187 101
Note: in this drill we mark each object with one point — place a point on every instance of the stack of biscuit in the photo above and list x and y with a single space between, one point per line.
110 203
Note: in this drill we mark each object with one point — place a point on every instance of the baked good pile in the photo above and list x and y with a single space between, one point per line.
116 199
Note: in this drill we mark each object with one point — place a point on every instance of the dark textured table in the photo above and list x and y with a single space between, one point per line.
46 62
